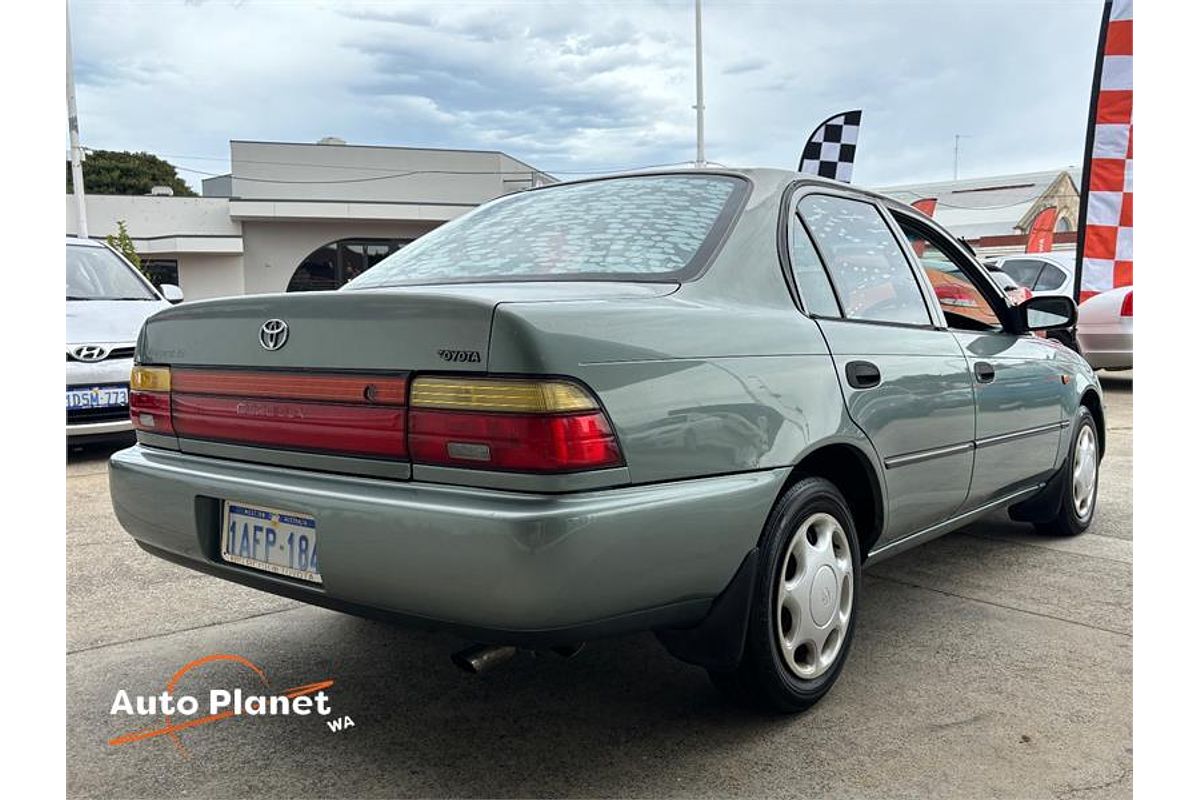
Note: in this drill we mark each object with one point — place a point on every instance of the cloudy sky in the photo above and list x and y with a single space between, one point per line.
573 87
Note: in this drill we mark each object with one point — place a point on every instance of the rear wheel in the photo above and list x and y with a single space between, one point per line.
805 602
1081 480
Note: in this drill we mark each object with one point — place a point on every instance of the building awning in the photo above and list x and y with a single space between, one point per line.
280 210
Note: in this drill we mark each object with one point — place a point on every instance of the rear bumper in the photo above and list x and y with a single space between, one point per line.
495 566
84 429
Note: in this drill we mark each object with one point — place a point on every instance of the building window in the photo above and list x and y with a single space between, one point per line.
331 266
161 270
1063 225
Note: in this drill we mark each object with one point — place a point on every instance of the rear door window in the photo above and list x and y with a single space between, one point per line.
1052 278
816 293
869 271
649 227
1024 271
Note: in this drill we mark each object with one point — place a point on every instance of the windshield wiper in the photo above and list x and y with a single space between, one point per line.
73 297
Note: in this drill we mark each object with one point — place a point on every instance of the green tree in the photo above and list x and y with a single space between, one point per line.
121 242
114 172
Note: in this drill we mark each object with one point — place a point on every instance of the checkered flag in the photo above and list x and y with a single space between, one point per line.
830 150
1105 251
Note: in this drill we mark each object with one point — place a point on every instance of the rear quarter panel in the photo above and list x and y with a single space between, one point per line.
724 375
692 389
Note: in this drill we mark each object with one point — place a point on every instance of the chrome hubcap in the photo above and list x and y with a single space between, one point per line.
815 595
1083 476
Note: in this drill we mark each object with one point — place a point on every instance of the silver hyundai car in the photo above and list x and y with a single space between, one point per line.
107 302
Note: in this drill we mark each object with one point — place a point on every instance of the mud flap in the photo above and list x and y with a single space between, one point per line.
718 640
1043 506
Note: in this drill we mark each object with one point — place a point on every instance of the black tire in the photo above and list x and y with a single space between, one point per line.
1068 521
763 678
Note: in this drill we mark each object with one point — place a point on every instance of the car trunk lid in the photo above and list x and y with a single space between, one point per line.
279 378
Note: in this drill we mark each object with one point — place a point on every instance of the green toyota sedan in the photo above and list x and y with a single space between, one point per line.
696 402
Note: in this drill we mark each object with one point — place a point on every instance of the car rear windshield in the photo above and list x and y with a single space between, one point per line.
651 227
96 273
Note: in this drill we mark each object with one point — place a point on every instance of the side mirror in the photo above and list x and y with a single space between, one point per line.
1047 313
171 293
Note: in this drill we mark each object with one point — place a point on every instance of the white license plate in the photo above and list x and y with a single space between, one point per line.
283 542
97 397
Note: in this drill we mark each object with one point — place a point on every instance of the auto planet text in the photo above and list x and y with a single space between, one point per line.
220 701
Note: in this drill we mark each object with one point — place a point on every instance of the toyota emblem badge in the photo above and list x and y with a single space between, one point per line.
273 334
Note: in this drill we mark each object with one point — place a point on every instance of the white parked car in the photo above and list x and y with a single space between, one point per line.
1105 329
1042 273
107 302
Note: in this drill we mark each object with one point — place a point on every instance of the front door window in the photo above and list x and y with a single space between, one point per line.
963 304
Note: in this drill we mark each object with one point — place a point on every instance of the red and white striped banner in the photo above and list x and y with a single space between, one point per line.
1105 259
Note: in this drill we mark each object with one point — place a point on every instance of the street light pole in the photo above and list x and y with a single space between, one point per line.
700 162
957 137
81 228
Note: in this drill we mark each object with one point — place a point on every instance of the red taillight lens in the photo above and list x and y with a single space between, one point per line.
336 428
151 412
518 424
1127 305
357 389
522 442
150 399
949 294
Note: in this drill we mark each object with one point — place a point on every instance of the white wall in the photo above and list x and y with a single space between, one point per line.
202 276
147 217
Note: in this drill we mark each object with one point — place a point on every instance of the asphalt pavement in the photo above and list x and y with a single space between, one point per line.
989 663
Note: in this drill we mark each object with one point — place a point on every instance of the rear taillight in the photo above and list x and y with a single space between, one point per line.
949 294
150 399
523 425
1127 305
352 414
326 427
509 424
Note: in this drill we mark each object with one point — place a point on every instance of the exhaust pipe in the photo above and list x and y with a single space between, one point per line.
479 658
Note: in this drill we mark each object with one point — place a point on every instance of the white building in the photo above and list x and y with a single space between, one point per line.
302 216
994 213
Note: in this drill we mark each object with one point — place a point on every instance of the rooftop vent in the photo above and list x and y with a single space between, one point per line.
331 140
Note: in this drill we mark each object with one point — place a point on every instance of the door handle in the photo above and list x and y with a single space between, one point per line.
984 372
862 374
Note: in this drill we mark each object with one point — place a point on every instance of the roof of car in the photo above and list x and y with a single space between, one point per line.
77 242
765 176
